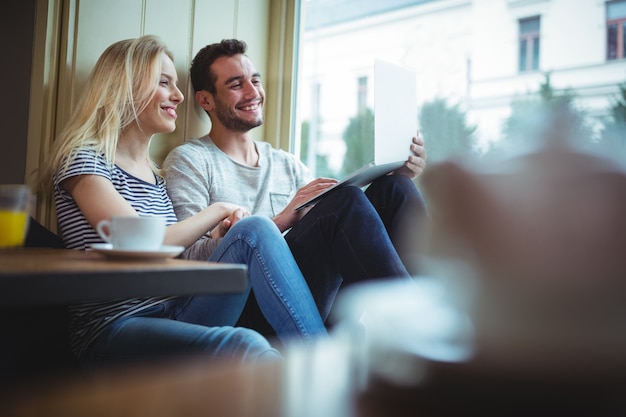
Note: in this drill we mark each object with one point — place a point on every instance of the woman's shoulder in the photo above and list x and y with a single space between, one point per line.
87 160
87 154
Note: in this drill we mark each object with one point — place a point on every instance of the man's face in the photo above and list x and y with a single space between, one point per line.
238 101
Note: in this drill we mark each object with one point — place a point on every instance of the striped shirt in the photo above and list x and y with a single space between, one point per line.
88 320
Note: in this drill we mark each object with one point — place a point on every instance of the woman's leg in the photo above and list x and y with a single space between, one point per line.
278 285
342 240
153 335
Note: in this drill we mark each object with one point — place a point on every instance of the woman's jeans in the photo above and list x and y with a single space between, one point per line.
351 236
203 324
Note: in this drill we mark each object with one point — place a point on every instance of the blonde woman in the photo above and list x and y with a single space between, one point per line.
101 168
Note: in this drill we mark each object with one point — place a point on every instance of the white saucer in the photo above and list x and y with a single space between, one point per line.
165 251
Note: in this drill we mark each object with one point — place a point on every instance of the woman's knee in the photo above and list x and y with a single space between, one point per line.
240 343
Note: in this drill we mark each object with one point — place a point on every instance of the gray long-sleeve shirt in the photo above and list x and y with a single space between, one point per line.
198 174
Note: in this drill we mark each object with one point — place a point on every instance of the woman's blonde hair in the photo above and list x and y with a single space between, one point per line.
120 86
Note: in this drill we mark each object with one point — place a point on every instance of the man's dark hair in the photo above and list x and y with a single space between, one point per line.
200 73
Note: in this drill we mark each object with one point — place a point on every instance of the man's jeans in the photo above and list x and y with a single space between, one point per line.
351 236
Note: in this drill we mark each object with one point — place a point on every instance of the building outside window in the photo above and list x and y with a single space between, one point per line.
616 30
529 44
514 47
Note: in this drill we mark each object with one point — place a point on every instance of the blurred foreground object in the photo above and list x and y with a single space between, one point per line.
544 236
527 265
15 206
192 388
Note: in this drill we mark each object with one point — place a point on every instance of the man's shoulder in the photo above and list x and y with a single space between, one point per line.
275 153
193 143
191 148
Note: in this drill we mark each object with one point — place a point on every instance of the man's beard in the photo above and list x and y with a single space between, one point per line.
231 121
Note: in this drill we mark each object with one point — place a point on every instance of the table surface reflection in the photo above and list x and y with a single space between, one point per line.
35 276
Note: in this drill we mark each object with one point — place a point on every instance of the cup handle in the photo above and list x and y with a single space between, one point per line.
104 230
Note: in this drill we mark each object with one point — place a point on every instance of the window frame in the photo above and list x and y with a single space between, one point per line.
531 42
620 24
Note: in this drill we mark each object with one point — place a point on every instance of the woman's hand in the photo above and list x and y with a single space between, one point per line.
232 219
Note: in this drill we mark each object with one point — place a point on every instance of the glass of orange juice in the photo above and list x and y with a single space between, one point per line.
15 205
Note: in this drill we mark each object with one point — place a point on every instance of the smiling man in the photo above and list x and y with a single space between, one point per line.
349 236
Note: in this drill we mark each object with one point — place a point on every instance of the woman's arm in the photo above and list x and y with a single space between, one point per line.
187 231
98 199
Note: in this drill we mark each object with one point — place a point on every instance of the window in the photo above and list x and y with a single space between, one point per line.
339 42
477 66
529 44
362 94
310 130
616 30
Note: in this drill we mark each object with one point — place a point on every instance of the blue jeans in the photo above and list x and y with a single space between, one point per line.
278 285
203 324
351 236
156 334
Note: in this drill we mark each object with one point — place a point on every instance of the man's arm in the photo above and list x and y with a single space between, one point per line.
187 188
186 180
416 162
289 216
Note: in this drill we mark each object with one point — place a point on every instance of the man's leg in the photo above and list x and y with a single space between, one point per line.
403 211
279 287
342 240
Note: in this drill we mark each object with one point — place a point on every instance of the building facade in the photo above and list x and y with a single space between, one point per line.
479 54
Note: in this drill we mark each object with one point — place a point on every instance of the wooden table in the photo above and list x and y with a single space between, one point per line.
35 277
37 285
188 388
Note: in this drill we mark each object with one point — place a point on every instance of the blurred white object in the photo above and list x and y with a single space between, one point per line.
399 323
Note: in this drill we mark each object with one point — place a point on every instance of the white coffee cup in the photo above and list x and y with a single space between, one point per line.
142 233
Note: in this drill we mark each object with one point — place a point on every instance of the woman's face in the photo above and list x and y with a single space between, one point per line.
160 114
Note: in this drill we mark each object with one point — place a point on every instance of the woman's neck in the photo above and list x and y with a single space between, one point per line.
132 155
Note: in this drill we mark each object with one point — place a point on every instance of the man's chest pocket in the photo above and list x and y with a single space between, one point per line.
278 202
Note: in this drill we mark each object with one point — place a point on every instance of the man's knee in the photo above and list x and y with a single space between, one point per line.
348 194
258 225
394 182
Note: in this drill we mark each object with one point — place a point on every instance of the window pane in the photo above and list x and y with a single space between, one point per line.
623 53
616 10
522 55
530 25
611 44
535 54
466 73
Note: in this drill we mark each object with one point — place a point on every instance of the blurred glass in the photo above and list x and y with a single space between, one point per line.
401 325
15 205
